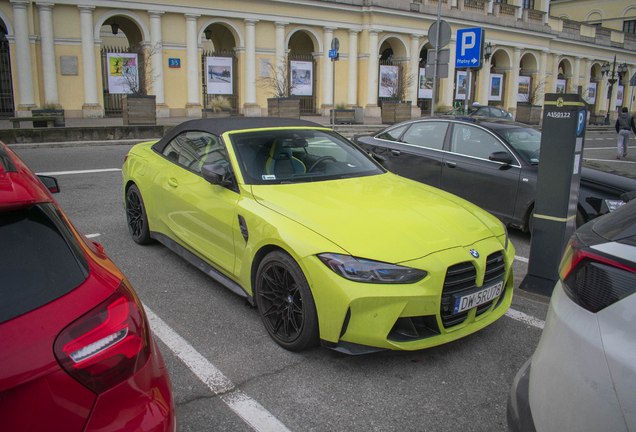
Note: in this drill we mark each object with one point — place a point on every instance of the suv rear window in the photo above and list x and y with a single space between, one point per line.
40 259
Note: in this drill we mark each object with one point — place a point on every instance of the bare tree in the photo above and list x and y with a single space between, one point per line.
399 86
279 84
138 78
535 93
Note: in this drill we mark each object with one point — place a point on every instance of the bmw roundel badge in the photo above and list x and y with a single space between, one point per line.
474 253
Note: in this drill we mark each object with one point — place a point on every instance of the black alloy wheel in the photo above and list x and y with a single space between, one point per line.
285 302
136 216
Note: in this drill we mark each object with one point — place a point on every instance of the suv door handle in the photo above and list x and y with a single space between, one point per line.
395 152
451 164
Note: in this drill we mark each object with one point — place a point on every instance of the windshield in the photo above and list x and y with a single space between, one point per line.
286 155
526 141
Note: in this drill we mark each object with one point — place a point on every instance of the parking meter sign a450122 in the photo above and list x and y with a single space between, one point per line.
562 138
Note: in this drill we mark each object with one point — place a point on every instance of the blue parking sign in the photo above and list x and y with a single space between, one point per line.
468 50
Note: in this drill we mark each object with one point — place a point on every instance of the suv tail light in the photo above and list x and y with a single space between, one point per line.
107 345
595 280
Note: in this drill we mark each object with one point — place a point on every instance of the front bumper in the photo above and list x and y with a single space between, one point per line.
519 413
357 318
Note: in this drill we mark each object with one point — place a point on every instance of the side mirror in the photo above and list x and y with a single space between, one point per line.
501 156
50 183
215 174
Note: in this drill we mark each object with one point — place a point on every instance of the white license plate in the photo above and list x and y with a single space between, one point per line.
475 299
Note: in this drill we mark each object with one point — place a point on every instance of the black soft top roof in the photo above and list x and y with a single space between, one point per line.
218 126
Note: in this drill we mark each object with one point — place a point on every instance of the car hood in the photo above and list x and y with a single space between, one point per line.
383 217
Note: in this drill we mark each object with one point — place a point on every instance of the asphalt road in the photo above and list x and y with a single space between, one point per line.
228 375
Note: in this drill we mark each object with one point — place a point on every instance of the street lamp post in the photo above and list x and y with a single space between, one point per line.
622 68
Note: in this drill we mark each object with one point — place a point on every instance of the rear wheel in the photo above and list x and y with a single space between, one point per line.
136 216
285 302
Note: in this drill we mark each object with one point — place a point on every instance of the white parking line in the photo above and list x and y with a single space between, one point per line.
609 160
53 173
522 259
92 235
527 319
252 413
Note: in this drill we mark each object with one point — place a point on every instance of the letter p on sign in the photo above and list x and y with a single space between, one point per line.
468 45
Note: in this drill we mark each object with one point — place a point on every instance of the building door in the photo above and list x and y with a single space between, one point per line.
301 72
113 101
220 77
6 83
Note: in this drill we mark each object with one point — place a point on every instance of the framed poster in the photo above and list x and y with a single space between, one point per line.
462 90
591 93
425 87
496 82
561 86
219 75
524 89
301 78
122 73
388 81
619 95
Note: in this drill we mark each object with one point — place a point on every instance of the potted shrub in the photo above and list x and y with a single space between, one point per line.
529 112
48 110
342 115
219 106
396 109
283 103
140 108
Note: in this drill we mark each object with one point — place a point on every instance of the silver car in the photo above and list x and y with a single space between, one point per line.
582 376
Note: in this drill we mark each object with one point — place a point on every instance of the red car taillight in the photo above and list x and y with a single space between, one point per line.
107 345
594 280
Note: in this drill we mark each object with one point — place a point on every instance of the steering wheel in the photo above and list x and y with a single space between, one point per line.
320 159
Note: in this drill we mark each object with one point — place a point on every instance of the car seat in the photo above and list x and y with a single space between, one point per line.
281 161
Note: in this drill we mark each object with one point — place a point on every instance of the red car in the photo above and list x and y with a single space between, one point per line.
76 350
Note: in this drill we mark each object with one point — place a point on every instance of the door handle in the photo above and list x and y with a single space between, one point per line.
451 164
395 152
173 182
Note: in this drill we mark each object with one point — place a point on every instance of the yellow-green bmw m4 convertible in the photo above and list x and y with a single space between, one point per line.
328 245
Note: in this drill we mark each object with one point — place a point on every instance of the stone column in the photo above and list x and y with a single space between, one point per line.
91 107
543 68
484 83
372 109
327 71
555 73
23 56
49 71
352 89
576 75
279 62
448 93
156 51
414 74
193 106
250 108
514 82
612 107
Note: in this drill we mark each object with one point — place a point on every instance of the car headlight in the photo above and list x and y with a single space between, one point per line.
362 270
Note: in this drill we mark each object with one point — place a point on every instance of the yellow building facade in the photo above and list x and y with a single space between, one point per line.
60 53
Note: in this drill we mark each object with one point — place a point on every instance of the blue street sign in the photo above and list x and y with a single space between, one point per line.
333 53
174 62
468 52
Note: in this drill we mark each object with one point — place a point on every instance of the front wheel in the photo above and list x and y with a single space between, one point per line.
285 302
136 216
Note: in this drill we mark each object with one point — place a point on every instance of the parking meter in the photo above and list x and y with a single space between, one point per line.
558 182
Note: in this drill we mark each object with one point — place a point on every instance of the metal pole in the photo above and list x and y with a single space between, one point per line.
333 97
439 24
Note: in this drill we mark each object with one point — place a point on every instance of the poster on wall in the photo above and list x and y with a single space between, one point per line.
462 86
524 89
591 93
388 81
425 88
619 95
218 72
122 72
561 86
496 82
301 78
